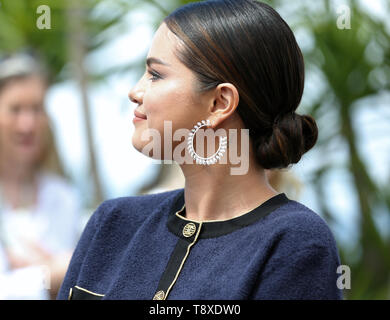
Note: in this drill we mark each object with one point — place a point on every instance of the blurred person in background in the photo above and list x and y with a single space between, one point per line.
39 210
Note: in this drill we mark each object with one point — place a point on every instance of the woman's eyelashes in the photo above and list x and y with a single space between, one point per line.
155 75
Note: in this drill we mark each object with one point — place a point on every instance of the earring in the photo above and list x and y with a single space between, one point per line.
190 146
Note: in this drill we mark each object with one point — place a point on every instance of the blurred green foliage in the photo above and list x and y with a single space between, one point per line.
351 73
19 31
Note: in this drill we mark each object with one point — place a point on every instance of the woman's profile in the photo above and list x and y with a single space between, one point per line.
226 66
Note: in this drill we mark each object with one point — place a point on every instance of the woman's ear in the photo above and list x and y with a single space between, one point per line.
225 102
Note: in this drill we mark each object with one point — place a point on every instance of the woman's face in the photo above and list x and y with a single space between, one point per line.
23 121
166 92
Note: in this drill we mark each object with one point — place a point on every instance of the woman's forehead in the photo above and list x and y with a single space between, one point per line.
163 45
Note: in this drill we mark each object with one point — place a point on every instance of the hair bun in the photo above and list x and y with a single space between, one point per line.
292 136
309 131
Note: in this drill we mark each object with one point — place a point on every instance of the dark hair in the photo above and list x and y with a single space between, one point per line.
248 44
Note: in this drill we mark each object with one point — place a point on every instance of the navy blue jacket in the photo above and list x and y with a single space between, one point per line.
143 247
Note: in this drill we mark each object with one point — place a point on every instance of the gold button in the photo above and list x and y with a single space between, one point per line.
160 295
189 229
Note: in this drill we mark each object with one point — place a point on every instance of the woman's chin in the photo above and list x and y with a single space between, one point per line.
144 147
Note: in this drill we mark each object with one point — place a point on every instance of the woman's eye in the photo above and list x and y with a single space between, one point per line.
155 76
38 109
15 109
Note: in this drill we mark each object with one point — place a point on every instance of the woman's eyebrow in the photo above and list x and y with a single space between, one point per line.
151 60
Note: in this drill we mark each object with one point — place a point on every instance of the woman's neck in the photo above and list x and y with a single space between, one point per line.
212 193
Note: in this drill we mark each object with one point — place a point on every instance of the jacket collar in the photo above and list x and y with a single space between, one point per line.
177 221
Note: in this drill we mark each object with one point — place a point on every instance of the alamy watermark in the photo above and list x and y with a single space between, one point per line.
344 280
156 144
344 17
44 20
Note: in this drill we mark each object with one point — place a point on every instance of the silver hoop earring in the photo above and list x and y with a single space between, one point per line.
190 146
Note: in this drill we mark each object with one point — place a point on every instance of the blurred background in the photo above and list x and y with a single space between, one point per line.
93 52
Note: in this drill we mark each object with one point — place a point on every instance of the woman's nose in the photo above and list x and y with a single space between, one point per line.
27 122
136 94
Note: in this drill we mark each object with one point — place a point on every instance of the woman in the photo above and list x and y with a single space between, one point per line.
220 65
39 210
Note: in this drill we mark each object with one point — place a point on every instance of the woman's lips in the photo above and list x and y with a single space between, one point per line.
136 119
25 141
138 116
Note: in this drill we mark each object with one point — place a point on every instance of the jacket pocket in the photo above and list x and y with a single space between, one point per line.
78 293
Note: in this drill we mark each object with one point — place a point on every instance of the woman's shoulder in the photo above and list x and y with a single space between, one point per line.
132 208
141 202
298 224
301 256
